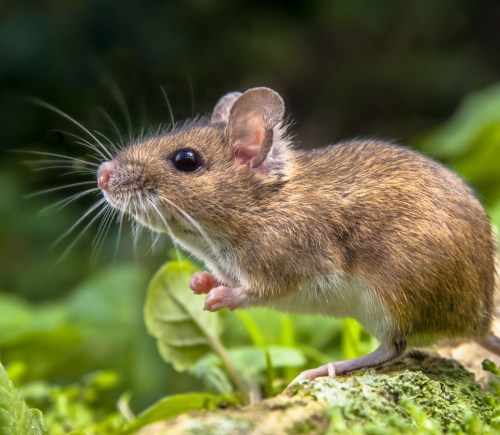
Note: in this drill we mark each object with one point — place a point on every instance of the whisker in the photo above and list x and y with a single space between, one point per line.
78 124
104 226
80 140
138 229
86 144
61 156
168 105
80 219
117 94
192 95
194 223
81 232
58 165
106 138
167 226
113 125
101 225
69 164
154 240
64 202
120 227
54 189
169 230
78 171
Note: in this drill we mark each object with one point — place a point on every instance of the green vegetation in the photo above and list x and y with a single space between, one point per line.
437 395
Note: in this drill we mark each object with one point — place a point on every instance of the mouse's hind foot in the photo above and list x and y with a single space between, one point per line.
384 353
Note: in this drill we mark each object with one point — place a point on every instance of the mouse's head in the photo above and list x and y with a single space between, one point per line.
206 174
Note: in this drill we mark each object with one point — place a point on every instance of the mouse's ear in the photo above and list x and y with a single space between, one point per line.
223 108
252 119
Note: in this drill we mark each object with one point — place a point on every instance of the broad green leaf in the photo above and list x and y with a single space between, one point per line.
15 416
495 216
470 142
19 318
252 360
172 406
106 298
175 316
455 137
251 326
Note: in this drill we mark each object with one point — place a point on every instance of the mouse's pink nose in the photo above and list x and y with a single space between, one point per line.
104 175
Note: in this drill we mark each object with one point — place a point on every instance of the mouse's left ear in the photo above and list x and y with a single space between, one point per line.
250 127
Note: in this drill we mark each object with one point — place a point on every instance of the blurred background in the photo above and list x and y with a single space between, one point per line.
426 74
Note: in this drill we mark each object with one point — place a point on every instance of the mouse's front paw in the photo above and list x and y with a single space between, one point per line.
224 297
202 282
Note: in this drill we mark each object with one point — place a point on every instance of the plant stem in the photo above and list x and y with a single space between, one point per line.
236 377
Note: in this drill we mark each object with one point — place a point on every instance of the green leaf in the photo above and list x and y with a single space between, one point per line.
270 375
351 339
495 215
208 370
288 340
477 111
172 406
175 316
18 318
15 416
251 326
184 332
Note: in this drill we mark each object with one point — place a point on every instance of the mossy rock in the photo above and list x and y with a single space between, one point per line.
417 394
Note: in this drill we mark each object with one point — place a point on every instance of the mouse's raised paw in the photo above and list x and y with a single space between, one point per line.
202 282
225 297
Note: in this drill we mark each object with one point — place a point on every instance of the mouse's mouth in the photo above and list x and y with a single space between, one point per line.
142 208
139 206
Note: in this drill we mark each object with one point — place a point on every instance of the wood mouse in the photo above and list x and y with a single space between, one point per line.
364 228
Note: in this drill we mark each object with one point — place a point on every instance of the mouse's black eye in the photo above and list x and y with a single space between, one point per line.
187 160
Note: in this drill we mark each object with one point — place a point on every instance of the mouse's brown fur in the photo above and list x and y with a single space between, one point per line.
362 228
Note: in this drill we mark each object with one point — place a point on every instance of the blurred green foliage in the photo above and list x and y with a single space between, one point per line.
421 73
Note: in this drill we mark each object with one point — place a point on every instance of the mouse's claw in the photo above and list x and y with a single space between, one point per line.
309 375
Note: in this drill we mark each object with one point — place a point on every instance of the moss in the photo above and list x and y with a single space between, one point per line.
417 394
439 393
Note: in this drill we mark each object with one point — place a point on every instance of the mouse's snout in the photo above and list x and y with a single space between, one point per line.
104 174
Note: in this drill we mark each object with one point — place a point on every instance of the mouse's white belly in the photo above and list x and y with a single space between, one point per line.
339 297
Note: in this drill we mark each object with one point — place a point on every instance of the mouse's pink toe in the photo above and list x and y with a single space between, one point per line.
202 282
310 375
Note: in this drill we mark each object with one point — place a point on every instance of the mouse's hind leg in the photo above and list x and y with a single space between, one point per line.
384 353
490 342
